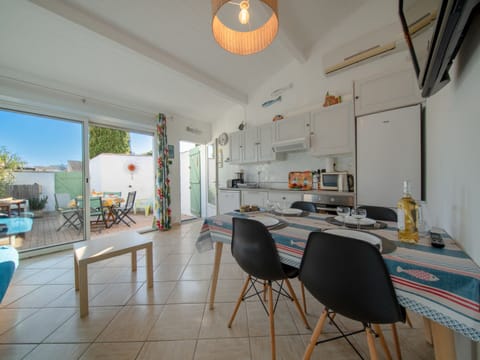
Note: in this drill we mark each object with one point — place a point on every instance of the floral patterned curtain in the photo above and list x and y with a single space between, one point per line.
162 214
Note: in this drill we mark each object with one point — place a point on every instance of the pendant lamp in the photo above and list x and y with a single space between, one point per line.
244 42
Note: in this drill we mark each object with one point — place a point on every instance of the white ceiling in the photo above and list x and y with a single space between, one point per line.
152 55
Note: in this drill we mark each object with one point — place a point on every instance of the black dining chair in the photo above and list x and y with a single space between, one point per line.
121 213
304 205
380 212
349 277
256 253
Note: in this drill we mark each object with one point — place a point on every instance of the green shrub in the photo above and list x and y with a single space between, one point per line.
37 203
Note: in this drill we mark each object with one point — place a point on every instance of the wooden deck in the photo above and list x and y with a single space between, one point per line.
44 231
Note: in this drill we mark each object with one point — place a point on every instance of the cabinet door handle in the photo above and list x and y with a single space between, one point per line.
356 97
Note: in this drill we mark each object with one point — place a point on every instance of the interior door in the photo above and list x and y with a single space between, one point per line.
195 191
212 178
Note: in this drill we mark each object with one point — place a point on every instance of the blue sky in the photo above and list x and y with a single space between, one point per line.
43 141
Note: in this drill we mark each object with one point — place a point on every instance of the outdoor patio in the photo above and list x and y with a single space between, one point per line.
44 231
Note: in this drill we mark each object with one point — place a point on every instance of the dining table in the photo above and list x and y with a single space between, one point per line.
440 284
6 204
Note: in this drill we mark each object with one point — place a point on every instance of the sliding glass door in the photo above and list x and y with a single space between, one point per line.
41 180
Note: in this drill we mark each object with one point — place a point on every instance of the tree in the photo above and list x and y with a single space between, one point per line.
105 140
8 164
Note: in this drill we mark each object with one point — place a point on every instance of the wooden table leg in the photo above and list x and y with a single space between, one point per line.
149 255
134 260
83 284
216 268
443 342
75 269
427 330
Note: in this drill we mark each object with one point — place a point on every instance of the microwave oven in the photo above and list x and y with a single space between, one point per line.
336 181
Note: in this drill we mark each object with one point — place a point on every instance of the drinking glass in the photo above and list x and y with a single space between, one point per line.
343 211
270 205
359 214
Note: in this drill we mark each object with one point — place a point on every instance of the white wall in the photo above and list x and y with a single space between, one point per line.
45 179
453 166
108 172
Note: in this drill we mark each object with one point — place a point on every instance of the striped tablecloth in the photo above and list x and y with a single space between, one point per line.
440 284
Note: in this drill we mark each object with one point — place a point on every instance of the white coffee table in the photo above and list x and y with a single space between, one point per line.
105 247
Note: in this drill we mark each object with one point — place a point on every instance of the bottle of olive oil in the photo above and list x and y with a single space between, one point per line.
407 213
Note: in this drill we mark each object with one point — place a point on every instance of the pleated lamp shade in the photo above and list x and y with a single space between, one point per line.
249 42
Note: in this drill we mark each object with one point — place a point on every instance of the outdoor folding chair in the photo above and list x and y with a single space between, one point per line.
122 213
70 215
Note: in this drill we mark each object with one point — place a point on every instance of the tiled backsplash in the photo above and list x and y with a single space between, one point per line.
275 174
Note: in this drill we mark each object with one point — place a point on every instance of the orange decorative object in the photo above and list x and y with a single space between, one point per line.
331 100
131 167
301 180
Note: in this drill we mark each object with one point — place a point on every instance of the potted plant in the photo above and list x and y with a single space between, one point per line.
37 204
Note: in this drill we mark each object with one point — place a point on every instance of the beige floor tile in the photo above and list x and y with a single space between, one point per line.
67 277
87 329
15 351
154 296
219 349
189 292
127 275
205 258
15 292
132 323
113 351
228 290
178 322
43 276
340 349
11 317
105 275
115 294
286 348
37 327
179 259
22 274
167 350
168 272
214 323
41 296
231 271
71 298
57 351
197 272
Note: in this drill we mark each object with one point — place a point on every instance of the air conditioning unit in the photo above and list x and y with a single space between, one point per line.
375 44
298 144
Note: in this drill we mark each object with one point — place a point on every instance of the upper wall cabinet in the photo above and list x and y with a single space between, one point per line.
386 91
332 130
292 133
254 144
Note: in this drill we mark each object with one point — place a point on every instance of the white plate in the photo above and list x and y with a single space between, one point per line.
352 221
265 220
359 235
289 211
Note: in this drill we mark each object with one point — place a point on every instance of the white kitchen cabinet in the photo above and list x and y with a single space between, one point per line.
254 197
237 147
292 128
228 200
284 198
254 144
333 130
386 91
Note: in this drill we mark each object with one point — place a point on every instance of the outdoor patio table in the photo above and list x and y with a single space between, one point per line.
443 285
6 205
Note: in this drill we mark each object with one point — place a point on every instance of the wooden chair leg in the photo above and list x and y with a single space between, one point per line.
271 318
295 300
304 300
386 350
371 344
315 335
408 320
396 342
239 301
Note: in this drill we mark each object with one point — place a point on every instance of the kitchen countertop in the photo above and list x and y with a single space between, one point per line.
319 192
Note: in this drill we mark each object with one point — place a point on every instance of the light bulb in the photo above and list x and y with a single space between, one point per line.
243 15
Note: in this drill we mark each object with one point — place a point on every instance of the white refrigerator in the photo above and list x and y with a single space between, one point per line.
388 151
